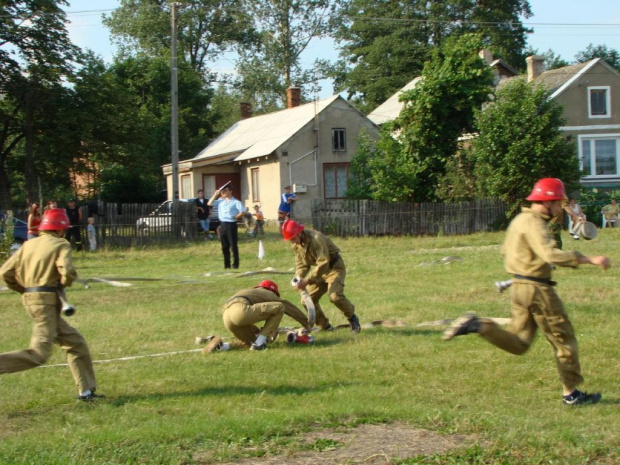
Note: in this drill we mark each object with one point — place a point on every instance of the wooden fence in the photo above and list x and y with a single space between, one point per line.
375 218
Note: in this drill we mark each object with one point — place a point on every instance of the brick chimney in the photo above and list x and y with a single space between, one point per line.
293 97
535 66
246 110
486 55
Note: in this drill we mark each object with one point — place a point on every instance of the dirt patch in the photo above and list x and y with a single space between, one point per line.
364 444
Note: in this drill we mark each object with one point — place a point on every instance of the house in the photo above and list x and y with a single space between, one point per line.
391 108
590 95
307 146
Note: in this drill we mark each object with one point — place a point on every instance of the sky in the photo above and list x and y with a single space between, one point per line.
564 26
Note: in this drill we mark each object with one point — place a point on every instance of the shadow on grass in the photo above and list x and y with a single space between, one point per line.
227 391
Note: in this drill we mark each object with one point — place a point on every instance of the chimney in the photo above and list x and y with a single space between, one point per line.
486 55
293 97
246 110
535 65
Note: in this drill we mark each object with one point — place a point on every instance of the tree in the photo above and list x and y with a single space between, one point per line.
385 43
520 142
610 55
552 60
440 109
206 28
37 57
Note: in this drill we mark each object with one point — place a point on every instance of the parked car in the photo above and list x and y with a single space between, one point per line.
160 219
20 231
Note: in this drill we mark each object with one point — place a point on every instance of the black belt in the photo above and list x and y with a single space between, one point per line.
334 259
238 297
536 280
41 289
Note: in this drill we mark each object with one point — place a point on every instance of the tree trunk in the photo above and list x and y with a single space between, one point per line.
5 189
29 167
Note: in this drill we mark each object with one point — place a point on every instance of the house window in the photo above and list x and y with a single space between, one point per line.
339 140
208 184
599 102
255 188
599 155
335 177
186 186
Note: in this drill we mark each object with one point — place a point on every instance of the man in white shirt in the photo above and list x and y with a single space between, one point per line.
229 211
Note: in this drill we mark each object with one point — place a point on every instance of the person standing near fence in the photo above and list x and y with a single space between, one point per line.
92 234
286 205
203 212
229 210
34 220
74 234
530 254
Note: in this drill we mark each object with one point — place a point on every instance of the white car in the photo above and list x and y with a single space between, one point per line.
160 220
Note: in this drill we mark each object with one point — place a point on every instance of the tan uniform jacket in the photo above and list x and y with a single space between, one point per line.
529 249
44 261
315 249
261 295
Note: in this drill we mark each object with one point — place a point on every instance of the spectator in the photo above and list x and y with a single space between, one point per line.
203 212
34 220
74 234
576 215
92 234
286 205
249 306
248 221
229 210
51 204
260 221
611 213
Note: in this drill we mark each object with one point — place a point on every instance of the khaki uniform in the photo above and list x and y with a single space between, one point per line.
249 306
530 251
46 261
327 276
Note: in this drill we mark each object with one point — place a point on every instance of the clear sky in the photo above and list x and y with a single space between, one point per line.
565 26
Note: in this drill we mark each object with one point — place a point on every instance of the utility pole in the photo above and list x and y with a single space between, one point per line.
174 123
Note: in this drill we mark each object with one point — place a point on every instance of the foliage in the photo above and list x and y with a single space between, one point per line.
440 109
385 44
520 142
206 28
610 55
552 60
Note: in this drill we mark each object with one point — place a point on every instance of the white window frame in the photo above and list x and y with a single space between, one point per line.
186 186
607 101
333 169
255 176
593 137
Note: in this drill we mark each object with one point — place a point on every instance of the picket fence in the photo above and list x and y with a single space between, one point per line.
376 218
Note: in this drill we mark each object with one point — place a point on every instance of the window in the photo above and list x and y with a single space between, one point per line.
255 189
599 155
186 187
208 185
339 140
335 177
599 102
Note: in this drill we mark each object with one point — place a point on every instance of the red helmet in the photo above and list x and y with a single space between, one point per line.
269 285
54 219
290 229
547 189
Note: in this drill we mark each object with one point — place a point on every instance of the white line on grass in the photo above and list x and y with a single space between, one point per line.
124 359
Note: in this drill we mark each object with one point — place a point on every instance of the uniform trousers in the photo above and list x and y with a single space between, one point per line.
74 235
536 305
333 285
50 328
229 239
240 318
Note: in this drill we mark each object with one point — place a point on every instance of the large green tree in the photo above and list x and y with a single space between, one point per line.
610 55
520 142
385 43
35 58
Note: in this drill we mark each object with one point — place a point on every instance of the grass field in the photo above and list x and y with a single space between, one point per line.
192 408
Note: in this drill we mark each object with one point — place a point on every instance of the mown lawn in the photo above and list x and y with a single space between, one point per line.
191 408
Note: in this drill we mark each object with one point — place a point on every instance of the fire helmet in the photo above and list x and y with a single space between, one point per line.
54 219
290 229
269 285
547 189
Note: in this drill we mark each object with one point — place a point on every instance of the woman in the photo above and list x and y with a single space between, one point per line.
576 216
34 219
611 212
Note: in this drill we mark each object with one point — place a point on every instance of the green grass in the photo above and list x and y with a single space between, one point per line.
191 408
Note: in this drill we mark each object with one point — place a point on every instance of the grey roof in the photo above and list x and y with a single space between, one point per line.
262 135
391 108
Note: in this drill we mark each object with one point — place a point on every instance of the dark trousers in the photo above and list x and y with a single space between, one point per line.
74 234
229 238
